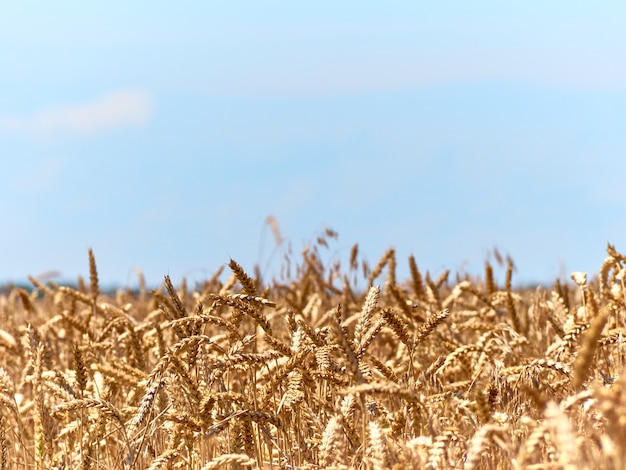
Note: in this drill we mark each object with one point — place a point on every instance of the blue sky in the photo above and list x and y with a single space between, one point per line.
163 135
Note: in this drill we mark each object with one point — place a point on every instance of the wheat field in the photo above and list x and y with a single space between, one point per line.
312 372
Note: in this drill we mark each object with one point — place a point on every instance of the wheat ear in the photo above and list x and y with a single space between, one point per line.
432 323
583 361
234 460
248 284
93 276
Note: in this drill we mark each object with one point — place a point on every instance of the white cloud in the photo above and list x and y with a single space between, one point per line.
116 110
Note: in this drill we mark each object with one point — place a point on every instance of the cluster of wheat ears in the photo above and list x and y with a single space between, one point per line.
313 373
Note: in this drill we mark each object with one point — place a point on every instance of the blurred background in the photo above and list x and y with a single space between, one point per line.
164 134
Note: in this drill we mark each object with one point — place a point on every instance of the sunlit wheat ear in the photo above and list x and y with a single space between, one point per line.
563 435
584 359
230 461
310 333
560 367
248 284
591 303
7 387
312 308
248 305
391 269
381 265
432 323
416 279
354 253
580 278
402 301
333 446
80 369
316 271
273 224
398 325
466 286
163 460
155 381
346 347
26 301
442 279
608 265
432 292
563 292
378 446
228 286
247 435
510 303
363 324
557 313
42 287
179 309
438 449
530 449
145 406
477 445
93 276
490 285
41 435
369 337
